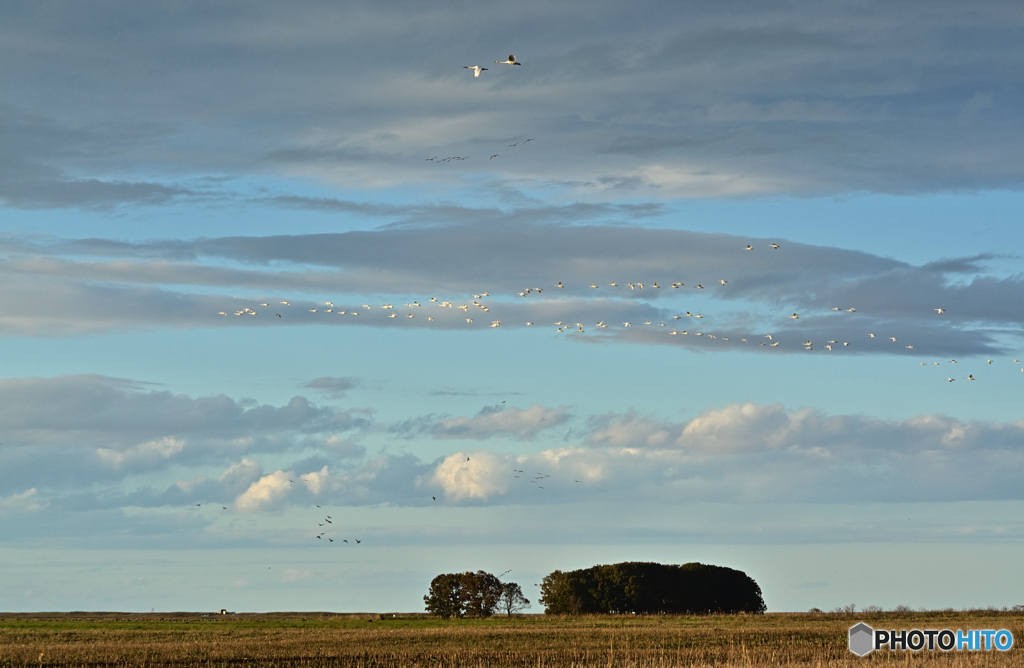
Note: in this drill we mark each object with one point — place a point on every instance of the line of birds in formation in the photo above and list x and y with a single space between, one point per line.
540 476
767 340
435 159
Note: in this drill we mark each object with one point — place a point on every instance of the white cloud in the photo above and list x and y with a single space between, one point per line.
267 493
317 482
474 476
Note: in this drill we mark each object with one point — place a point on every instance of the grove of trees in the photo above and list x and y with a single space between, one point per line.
470 594
651 588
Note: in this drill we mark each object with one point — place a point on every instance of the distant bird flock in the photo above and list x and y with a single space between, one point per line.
443 310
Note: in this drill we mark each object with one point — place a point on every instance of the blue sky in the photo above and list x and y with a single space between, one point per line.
160 166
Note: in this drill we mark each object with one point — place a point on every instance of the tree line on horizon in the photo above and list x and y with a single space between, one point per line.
626 588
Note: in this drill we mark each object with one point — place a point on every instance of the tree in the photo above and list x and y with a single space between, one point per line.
445 596
512 599
465 594
649 588
480 593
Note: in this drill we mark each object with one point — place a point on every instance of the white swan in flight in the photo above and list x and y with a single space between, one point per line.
511 61
476 69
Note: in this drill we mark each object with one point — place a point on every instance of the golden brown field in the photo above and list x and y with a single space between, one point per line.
380 642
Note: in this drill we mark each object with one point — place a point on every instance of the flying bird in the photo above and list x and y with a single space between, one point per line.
511 61
476 69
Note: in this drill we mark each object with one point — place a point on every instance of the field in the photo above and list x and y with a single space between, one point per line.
383 641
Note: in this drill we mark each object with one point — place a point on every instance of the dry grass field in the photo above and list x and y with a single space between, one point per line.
385 641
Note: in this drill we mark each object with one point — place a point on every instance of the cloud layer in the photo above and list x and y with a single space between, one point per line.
677 100
68 443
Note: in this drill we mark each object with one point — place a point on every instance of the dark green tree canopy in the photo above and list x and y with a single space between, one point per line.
464 594
445 596
650 588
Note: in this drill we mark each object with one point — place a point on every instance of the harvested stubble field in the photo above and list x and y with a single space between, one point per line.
533 640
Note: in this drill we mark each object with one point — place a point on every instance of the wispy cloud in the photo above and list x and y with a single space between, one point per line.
497 420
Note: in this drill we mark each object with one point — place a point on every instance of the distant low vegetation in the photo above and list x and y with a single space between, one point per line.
651 588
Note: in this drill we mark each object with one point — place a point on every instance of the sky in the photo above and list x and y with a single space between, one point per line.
264 266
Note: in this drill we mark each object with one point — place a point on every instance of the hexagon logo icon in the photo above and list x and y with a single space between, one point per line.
862 639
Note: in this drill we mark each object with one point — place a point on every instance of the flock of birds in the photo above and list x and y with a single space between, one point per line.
675 325
540 477
437 160
327 521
